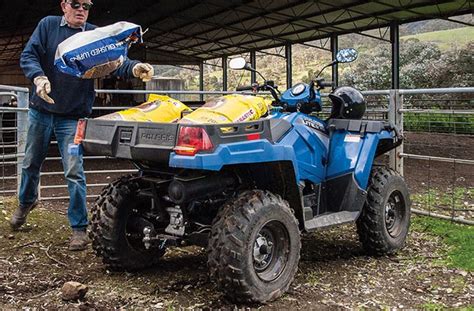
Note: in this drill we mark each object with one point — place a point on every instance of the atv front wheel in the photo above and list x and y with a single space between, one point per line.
114 232
385 219
254 247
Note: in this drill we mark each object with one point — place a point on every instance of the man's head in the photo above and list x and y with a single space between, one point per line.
76 11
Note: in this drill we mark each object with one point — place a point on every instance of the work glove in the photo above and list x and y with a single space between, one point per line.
43 88
143 71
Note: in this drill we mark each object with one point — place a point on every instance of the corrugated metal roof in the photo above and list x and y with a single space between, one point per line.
189 31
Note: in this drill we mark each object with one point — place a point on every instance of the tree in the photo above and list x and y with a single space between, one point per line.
420 64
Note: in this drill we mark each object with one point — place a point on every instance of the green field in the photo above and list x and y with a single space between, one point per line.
457 238
446 39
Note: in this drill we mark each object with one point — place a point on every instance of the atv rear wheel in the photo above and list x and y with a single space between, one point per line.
113 235
385 219
254 247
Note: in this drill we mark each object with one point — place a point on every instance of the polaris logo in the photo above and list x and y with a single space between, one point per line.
313 124
157 136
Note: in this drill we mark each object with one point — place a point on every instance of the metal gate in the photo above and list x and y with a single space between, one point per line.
442 114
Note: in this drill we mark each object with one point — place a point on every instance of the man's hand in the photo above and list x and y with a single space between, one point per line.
43 88
143 71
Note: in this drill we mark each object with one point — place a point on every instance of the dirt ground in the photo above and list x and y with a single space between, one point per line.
334 272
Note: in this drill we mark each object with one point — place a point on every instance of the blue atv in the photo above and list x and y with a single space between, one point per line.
247 191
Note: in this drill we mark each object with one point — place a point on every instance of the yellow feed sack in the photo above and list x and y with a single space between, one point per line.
229 109
158 108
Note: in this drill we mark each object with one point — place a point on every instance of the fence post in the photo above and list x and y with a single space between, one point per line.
22 126
396 117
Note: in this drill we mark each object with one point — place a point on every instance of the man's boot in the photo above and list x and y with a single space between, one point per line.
79 240
20 214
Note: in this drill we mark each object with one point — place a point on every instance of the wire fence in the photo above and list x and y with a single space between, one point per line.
436 157
13 123
8 153
439 152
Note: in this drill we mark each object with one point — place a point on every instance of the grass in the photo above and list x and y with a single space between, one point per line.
439 123
459 198
430 306
446 39
313 278
457 238
48 227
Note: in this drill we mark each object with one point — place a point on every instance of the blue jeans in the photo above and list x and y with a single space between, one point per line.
41 126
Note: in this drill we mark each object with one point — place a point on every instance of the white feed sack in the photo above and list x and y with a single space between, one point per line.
96 53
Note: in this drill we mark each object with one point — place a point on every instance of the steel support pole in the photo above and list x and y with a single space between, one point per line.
201 80
395 116
22 128
253 63
395 40
289 66
224 73
335 67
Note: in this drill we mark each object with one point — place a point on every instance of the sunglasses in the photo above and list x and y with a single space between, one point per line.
76 5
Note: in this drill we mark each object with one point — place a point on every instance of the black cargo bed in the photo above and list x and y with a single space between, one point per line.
148 141
130 140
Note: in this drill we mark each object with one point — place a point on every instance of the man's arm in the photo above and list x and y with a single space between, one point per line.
126 70
30 61
133 68
34 49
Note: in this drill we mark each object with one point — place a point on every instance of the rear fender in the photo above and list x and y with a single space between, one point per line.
244 152
240 143
367 154
355 144
276 177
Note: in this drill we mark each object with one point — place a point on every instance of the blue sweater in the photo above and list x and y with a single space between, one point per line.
73 96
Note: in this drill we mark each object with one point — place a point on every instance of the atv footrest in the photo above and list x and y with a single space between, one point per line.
157 180
330 220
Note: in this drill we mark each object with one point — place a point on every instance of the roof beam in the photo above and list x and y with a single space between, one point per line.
268 12
163 33
384 12
233 26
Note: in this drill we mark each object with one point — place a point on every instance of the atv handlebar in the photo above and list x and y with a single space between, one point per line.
244 88
326 84
266 86
322 84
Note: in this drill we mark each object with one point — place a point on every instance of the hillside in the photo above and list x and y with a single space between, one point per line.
433 25
446 39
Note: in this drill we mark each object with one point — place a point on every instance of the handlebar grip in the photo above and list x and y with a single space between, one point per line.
326 84
244 88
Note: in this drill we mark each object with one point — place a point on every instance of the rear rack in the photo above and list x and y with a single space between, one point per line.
130 140
148 141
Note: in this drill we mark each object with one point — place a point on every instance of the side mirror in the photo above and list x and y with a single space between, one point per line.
346 55
238 63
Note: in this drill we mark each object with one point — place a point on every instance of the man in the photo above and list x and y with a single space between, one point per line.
56 104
